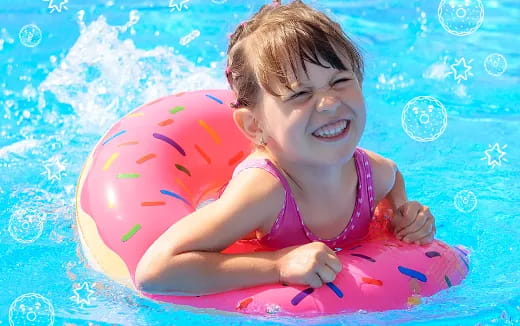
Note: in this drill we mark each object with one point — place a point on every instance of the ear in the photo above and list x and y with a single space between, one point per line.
247 122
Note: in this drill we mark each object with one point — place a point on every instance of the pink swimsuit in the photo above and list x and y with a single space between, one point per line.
289 229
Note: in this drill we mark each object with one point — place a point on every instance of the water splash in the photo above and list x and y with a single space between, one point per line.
103 77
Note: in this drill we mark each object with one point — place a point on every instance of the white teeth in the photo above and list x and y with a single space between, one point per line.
331 131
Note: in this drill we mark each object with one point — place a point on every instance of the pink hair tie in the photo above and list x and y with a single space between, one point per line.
235 104
276 3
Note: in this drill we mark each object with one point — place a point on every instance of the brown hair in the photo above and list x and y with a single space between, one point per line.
277 34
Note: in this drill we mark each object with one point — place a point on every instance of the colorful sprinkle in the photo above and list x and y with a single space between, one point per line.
447 279
203 154
300 296
432 254
414 300
244 303
179 94
180 183
235 158
145 158
183 169
372 281
335 289
214 99
153 203
138 114
128 175
128 143
113 136
110 160
172 194
355 247
165 122
210 131
171 142
412 273
131 233
364 257
176 109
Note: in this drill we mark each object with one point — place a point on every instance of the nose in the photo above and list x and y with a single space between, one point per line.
328 102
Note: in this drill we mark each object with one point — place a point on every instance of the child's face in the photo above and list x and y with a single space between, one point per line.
289 121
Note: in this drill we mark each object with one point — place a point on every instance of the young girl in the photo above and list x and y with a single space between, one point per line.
306 188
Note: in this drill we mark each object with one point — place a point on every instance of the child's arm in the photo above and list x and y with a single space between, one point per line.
186 259
397 195
411 221
388 181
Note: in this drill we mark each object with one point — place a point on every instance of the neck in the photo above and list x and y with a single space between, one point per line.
313 180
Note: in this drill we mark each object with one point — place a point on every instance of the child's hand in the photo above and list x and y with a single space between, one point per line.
310 264
413 223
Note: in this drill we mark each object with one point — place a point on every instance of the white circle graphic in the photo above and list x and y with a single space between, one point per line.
424 118
461 17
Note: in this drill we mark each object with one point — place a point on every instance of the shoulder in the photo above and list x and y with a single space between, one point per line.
383 171
253 183
256 188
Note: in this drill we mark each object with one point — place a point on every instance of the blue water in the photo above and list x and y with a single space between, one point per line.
97 60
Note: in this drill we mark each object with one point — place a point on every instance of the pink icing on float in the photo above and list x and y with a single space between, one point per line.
161 161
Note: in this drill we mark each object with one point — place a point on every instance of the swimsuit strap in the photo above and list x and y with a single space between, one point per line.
366 174
266 164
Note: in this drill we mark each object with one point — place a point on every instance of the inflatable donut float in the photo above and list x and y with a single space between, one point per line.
163 160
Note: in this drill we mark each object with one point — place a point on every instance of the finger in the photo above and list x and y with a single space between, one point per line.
424 240
412 209
330 251
420 223
431 236
425 229
314 281
326 274
403 223
334 263
327 256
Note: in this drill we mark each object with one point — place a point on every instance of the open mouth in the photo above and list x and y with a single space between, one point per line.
332 133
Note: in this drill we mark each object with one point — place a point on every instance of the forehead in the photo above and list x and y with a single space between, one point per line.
299 77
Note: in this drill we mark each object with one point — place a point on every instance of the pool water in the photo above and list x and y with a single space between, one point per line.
444 107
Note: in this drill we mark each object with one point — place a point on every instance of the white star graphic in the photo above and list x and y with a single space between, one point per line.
83 294
492 153
178 6
58 7
53 168
461 69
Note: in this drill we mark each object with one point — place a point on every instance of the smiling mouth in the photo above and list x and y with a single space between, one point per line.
333 130
334 135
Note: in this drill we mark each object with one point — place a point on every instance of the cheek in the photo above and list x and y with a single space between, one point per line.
355 99
354 93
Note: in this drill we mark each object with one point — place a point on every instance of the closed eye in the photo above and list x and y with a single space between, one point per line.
342 80
297 94
303 92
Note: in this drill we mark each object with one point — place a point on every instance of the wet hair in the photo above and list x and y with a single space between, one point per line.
261 49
